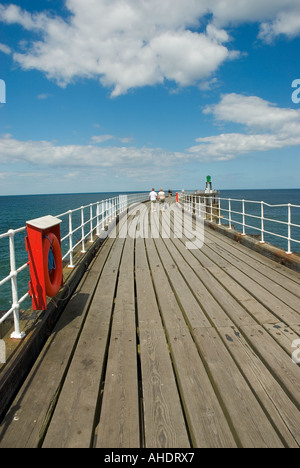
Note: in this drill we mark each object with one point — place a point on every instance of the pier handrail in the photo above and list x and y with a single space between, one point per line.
78 227
212 207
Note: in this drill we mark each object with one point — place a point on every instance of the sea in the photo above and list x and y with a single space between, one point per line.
16 210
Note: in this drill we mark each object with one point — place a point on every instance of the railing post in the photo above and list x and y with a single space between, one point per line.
91 223
14 287
107 211
229 213
262 241
244 232
71 265
219 223
211 209
98 219
115 207
102 213
289 228
82 230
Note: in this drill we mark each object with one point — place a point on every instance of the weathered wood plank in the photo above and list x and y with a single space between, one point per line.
253 428
274 270
73 420
207 423
164 425
283 334
119 417
273 288
278 406
276 359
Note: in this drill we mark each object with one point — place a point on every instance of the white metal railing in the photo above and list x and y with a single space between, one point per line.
273 221
78 227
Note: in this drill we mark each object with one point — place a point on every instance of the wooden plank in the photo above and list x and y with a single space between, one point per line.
164 424
243 297
283 334
279 310
148 313
284 274
278 362
268 284
119 419
197 282
26 422
276 403
224 290
208 303
253 428
118 426
228 306
207 423
72 423
256 310
184 288
211 293
166 298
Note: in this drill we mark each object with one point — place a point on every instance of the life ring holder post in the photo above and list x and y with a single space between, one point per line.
43 235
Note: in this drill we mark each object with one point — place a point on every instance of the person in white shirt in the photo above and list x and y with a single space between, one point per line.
152 198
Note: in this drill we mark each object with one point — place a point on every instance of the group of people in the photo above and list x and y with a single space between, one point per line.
160 197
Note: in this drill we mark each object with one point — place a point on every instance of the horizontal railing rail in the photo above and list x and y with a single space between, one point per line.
250 216
78 227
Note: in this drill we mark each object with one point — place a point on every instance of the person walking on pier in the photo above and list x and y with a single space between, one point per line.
162 199
152 198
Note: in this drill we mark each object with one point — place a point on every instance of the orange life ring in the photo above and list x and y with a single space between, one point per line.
53 278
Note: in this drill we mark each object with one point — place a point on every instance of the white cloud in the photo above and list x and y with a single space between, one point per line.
132 43
45 153
268 127
123 43
252 111
285 23
5 49
103 138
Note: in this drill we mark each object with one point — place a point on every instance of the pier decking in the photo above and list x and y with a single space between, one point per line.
163 346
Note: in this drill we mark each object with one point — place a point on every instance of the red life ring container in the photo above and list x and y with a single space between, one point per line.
53 278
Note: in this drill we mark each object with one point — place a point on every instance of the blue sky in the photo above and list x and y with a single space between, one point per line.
119 95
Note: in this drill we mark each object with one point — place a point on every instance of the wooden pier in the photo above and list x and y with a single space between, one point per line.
167 346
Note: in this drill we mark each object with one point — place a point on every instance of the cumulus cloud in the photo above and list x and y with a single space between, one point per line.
267 127
285 23
123 43
131 43
46 153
